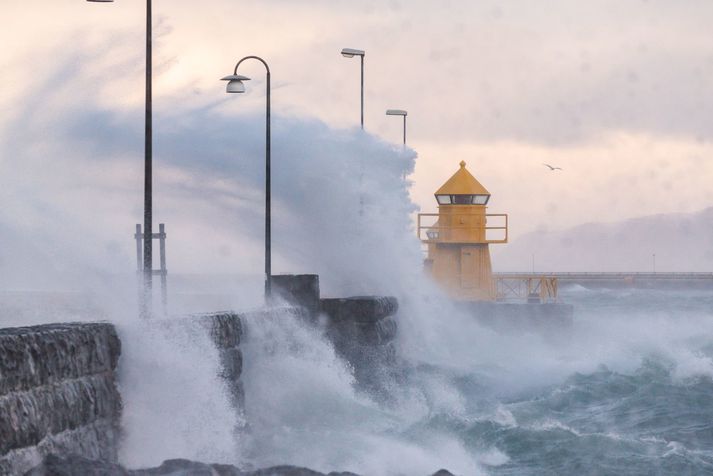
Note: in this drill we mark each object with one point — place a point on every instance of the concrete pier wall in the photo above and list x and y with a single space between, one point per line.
58 393
58 388
361 328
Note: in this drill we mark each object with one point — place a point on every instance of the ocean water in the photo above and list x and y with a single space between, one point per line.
627 391
649 413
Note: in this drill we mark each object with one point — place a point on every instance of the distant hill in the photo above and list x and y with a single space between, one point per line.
681 242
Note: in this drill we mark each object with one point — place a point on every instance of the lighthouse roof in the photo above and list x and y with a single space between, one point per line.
462 183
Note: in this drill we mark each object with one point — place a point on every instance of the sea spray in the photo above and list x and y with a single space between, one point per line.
175 403
304 408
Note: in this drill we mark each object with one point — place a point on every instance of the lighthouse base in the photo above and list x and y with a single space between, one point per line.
522 317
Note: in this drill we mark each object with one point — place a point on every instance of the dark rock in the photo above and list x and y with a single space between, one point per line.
74 465
442 472
284 471
181 467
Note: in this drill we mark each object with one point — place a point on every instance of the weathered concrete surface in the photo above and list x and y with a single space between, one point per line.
34 356
226 331
298 289
361 309
362 330
361 320
75 465
58 393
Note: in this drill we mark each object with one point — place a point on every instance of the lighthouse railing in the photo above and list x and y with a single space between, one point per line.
439 233
530 287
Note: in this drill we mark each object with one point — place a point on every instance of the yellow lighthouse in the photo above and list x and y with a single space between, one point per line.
458 242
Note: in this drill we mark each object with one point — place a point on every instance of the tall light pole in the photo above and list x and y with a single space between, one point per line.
147 301
350 53
235 85
398 112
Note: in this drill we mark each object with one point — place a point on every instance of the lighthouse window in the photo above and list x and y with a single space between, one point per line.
480 199
462 199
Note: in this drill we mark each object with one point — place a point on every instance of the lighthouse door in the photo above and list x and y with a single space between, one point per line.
469 267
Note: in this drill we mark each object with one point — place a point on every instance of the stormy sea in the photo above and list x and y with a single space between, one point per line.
627 390
633 395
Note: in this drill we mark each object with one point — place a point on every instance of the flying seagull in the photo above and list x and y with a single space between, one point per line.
552 168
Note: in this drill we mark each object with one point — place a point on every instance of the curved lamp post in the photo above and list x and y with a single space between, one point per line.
398 112
350 53
236 85
148 159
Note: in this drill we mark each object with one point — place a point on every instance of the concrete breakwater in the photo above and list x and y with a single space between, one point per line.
58 393
362 329
58 382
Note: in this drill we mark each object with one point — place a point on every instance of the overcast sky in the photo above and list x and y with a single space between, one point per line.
616 92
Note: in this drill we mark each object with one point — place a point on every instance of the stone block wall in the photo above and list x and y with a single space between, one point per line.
58 393
361 328
226 331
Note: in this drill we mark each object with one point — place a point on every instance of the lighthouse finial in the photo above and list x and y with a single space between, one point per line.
462 163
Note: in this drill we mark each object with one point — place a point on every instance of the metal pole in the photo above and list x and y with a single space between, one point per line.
268 220
148 155
268 231
362 91
139 266
404 130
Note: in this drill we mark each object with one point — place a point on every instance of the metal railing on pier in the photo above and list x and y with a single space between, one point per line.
526 287
619 276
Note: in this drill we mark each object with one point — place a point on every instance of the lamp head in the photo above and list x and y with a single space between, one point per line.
396 112
351 52
101 1
235 83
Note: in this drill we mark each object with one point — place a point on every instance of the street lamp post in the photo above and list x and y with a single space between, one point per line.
350 53
398 112
146 303
235 85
